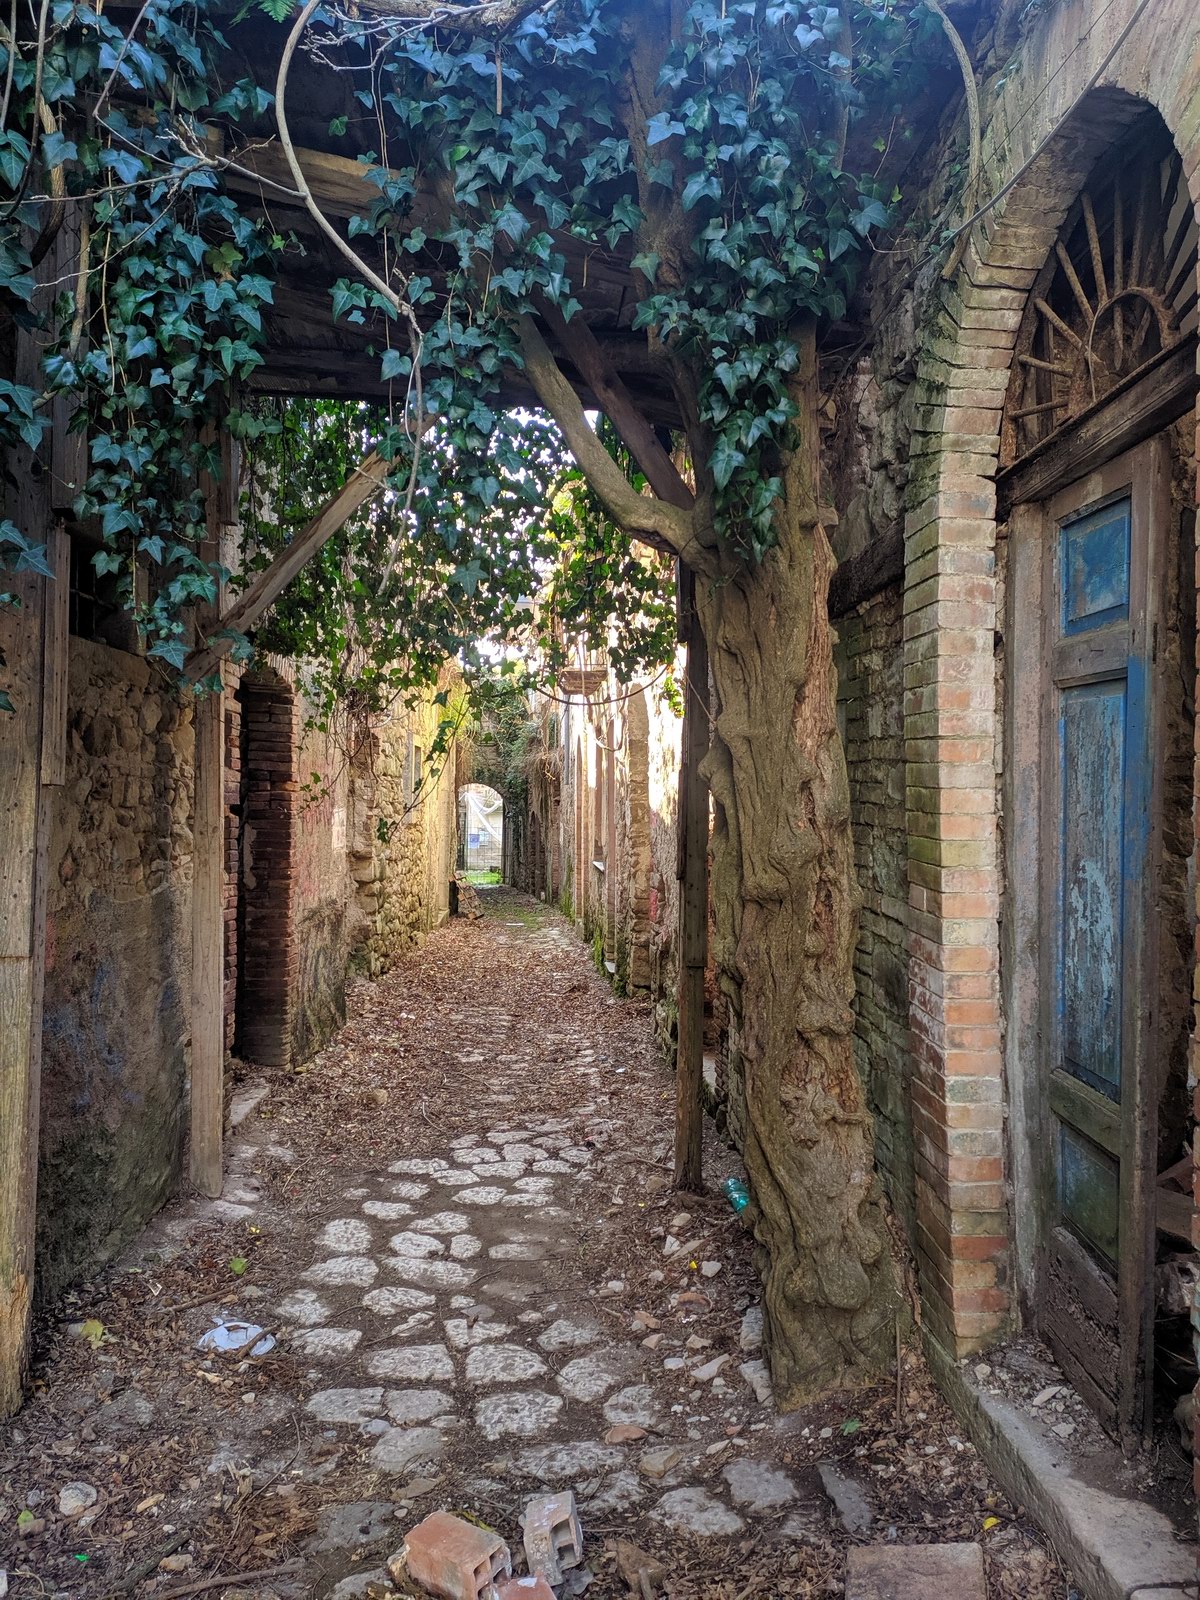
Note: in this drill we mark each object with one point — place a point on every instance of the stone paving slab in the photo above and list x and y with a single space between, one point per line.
916 1572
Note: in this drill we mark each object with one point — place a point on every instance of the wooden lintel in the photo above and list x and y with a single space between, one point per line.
1146 402
867 574
266 588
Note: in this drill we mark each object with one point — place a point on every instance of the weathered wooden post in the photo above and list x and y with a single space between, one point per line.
208 866
33 650
692 871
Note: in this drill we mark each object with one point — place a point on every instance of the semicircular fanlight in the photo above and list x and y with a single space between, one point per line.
1118 290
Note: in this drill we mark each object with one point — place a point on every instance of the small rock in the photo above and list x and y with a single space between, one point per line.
758 1487
658 1462
851 1504
415 1488
1046 1394
710 1369
624 1433
915 1572
982 1371
632 1562
652 1341
76 1498
176 1563
759 1379
694 1510
1064 1430
751 1336
710 1268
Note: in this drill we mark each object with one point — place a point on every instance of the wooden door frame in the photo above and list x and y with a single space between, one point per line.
1144 473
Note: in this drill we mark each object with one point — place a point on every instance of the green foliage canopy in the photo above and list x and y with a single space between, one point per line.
722 183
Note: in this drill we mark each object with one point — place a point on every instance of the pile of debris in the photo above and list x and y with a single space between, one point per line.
454 1559
464 902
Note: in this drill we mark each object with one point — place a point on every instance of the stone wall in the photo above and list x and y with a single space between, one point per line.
617 779
664 753
404 830
871 709
118 964
346 859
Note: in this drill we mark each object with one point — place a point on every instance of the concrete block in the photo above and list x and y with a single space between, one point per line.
553 1537
915 1572
454 1559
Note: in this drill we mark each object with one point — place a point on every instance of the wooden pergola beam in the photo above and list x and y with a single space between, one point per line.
266 588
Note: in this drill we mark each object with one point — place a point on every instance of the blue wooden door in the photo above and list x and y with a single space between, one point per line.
1097 833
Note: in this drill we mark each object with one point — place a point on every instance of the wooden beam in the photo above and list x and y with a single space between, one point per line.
267 587
1142 405
867 573
581 346
692 871
25 818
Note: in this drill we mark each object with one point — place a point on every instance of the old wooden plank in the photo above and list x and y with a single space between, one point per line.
24 835
269 584
868 573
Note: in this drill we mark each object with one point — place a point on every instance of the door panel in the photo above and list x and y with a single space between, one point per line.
1097 783
1092 825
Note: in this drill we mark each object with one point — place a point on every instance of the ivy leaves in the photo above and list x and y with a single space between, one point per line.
741 158
174 278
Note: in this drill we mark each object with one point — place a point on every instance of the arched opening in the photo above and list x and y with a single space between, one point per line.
481 834
1096 522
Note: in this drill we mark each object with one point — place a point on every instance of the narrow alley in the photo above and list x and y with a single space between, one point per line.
458 1230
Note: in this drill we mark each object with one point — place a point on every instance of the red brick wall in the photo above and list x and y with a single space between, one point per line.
270 799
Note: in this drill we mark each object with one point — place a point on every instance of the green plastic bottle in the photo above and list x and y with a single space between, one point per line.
736 1193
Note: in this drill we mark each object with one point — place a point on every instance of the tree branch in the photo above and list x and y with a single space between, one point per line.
618 405
365 481
974 133
490 16
646 516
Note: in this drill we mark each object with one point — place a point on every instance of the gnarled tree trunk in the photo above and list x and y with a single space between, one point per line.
785 902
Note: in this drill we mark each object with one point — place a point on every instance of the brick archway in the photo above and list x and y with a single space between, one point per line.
952 715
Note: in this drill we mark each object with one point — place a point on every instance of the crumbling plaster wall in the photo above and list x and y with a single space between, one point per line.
118 964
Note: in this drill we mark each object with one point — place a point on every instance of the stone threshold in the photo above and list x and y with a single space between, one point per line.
1118 1546
247 1097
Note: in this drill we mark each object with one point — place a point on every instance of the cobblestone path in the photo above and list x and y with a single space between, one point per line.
458 1227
